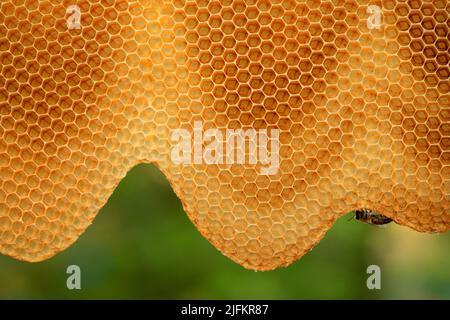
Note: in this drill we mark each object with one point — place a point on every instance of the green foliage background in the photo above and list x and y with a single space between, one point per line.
143 246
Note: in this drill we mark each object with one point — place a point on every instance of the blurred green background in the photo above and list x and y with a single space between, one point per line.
143 246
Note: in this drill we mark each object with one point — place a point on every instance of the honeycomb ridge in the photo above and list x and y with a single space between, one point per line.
363 115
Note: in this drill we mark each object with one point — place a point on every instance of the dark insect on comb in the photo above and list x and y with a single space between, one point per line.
371 217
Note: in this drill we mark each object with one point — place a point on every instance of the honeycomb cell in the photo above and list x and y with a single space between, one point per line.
363 116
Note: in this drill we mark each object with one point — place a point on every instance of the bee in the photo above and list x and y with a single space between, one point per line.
371 217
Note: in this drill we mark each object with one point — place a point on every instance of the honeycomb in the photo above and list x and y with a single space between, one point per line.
363 116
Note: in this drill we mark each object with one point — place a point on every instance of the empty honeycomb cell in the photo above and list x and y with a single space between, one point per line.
363 116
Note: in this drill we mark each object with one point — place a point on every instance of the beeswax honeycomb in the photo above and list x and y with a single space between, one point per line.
363 115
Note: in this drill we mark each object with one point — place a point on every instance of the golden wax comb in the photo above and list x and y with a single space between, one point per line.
359 98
